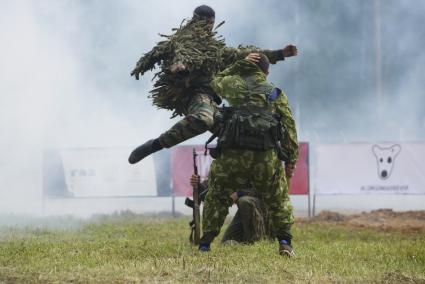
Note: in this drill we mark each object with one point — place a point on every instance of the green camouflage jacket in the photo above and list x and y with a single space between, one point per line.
203 53
233 85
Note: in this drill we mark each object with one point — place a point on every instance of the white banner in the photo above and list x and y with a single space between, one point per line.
106 172
203 162
359 168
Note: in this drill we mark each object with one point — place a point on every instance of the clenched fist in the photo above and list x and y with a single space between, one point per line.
290 50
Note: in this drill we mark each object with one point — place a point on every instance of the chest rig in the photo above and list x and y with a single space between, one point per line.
251 125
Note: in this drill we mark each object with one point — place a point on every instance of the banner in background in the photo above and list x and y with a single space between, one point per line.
182 169
359 168
106 172
300 182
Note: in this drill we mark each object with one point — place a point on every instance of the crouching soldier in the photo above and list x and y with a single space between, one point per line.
249 223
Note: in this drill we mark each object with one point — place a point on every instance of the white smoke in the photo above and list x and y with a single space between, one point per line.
64 74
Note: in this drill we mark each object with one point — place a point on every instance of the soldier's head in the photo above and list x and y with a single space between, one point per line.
263 63
205 13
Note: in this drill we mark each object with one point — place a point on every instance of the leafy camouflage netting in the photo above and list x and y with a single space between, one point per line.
200 50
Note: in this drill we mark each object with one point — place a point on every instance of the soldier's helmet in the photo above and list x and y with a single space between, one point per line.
204 12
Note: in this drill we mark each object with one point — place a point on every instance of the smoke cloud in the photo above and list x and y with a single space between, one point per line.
64 74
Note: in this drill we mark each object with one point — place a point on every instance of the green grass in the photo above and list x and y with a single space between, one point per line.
133 249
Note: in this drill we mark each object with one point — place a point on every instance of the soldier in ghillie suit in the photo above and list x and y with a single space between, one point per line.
188 59
256 133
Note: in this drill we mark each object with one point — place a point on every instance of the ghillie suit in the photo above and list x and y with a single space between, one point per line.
196 47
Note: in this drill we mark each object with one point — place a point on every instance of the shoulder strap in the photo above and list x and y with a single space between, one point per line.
215 135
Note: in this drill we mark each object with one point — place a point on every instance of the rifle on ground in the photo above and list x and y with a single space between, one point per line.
195 224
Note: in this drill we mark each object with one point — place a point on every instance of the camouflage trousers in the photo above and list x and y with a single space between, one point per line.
248 225
199 118
237 169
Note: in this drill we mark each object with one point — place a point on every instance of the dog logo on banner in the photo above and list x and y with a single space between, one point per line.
385 159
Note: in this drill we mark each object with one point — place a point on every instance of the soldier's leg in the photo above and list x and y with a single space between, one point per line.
223 180
251 218
199 119
217 202
286 211
234 231
270 183
216 208
285 216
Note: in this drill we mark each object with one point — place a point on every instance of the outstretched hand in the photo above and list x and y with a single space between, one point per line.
290 50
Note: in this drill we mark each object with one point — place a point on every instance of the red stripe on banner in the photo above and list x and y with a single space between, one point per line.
182 169
300 181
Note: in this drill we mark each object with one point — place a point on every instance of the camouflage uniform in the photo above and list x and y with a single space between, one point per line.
235 168
248 225
191 94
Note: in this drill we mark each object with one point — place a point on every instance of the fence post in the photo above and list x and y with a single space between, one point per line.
309 207
173 205
308 179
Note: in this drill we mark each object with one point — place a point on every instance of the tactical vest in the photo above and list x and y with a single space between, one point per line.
248 126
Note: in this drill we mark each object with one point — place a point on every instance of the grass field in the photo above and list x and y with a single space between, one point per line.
133 249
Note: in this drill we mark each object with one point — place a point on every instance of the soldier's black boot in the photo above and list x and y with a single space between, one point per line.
286 249
204 247
144 150
206 240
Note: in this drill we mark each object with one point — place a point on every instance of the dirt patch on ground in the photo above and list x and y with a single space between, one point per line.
384 219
